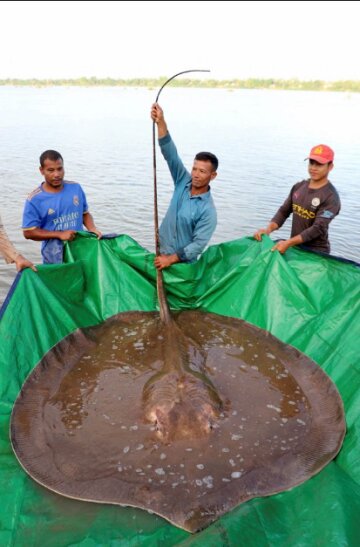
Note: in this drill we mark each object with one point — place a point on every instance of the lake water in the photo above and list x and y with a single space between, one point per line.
261 138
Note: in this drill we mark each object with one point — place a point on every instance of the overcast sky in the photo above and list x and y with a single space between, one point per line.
305 40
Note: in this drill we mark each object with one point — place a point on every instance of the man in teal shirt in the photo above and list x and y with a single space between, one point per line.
191 217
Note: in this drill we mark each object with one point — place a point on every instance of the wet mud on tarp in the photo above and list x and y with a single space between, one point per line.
309 302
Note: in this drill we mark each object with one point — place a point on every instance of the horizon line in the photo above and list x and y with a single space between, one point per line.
290 84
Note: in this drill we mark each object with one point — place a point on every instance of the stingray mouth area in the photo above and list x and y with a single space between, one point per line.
181 406
183 419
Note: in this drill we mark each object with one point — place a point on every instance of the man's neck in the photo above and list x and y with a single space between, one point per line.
316 184
198 191
51 189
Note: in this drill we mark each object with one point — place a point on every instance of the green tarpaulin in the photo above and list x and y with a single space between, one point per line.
309 301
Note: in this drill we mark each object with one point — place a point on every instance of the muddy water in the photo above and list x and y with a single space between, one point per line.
260 417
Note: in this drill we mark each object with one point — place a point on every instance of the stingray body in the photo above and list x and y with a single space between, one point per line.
113 414
180 400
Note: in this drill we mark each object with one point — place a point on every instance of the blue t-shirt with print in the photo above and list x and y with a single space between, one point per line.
55 211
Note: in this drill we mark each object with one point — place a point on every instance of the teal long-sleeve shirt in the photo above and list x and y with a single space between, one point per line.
190 220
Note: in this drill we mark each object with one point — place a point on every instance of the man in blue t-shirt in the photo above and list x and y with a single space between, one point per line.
56 210
191 217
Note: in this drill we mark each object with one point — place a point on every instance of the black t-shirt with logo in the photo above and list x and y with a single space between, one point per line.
312 210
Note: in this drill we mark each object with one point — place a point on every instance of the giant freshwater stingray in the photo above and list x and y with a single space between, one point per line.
186 420
184 415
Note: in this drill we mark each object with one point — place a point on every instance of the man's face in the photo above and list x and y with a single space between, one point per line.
202 174
319 171
53 172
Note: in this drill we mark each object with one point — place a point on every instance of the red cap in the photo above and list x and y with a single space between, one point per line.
321 153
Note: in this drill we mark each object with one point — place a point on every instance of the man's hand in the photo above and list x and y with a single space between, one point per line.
157 116
164 261
66 235
282 246
21 263
97 232
258 235
270 228
90 224
157 113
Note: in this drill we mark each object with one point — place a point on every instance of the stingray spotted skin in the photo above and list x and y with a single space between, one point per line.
90 422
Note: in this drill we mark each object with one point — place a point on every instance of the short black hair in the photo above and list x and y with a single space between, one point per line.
50 155
208 156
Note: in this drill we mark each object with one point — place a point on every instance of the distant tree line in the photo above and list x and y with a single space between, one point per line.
250 83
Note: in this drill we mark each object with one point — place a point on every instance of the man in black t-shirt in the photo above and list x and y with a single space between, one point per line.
313 202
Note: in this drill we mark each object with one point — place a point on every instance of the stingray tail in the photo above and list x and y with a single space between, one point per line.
165 315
